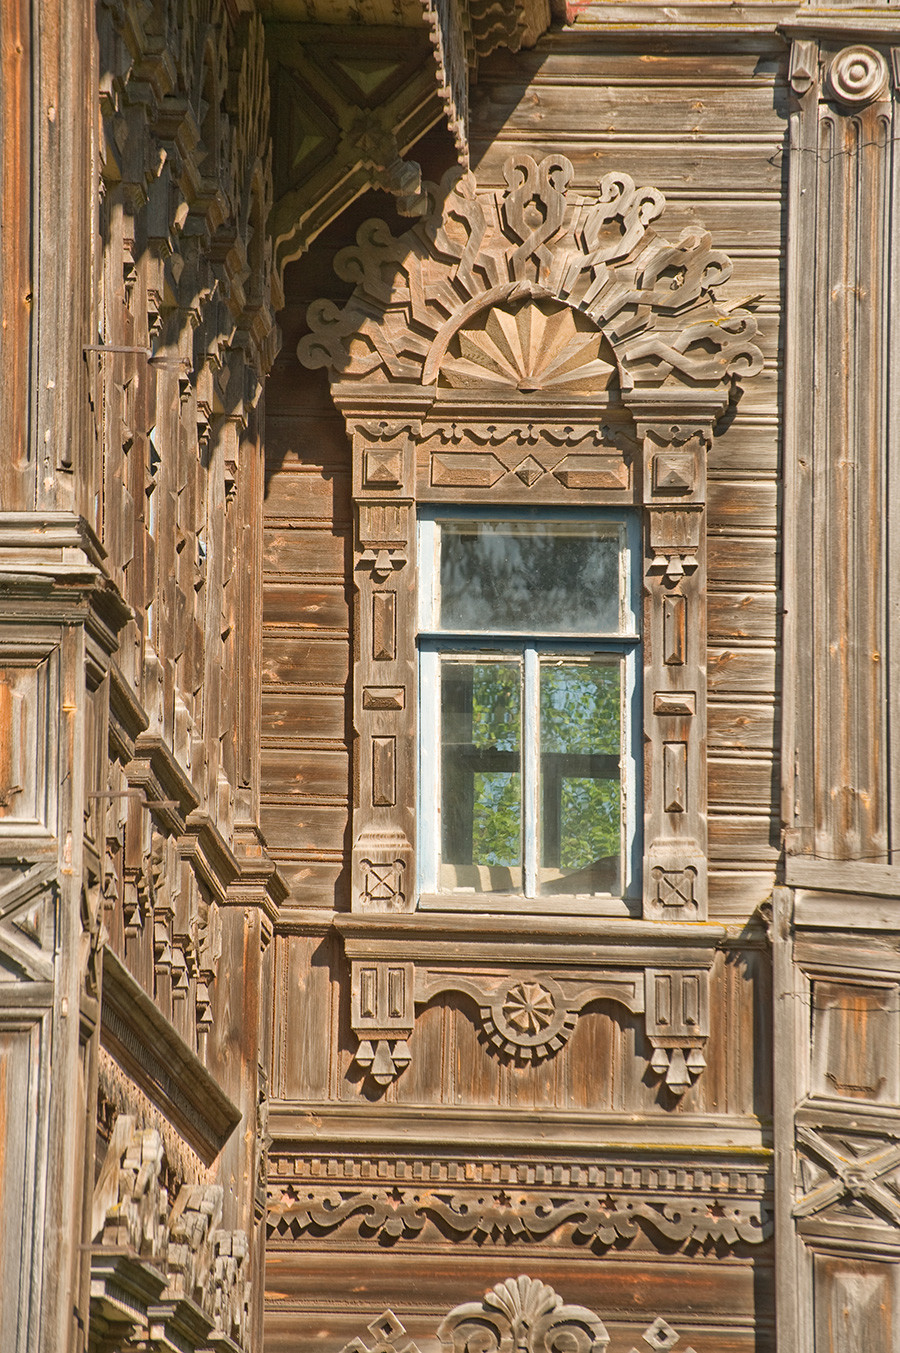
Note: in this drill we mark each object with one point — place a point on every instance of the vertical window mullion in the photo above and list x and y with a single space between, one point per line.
429 769
531 753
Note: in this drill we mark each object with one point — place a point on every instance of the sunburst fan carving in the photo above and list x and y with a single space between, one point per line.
530 347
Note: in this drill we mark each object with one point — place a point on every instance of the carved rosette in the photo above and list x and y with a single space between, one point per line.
857 75
528 1020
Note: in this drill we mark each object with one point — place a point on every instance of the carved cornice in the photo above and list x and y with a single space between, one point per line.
164 1273
535 241
346 122
351 101
150 1050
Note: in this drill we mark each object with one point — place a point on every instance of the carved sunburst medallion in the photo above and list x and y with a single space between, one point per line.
529 1007
528 1018
529 347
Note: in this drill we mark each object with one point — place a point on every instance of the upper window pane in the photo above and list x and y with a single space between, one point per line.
531 577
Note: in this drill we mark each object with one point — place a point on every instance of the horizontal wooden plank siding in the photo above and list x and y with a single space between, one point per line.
306 638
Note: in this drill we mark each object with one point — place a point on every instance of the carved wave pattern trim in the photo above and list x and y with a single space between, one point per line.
534 242
600 1220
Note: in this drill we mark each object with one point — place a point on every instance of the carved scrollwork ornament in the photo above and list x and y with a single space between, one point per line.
532 254
525 1314
857 75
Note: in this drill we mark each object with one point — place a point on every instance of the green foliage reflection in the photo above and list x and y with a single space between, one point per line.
497 799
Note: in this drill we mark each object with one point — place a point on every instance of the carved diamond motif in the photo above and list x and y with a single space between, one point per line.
660 1336
529 471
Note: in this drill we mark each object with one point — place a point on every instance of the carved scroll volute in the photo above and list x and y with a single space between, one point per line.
384 670
675 445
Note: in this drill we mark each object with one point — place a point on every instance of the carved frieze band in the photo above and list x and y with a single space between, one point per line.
520 1313
529 1015
597 1219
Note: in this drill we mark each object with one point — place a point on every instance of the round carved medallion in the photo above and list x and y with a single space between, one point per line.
529 1007
857 75
528 1018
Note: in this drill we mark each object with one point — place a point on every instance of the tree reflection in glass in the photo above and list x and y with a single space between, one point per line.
580 777
481 780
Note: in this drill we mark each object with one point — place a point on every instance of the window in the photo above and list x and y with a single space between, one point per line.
528 679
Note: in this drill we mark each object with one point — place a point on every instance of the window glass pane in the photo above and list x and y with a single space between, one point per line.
481 779
580 776
534 577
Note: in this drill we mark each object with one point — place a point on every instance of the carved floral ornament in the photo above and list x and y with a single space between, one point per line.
551 267
520 1315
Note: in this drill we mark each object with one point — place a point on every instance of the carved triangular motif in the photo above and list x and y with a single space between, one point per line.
25 899
368 75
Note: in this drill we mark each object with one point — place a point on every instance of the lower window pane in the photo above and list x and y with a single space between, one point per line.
581 787
481 778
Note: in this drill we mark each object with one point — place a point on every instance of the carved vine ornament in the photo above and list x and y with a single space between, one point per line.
471 362
601 1219
520 1315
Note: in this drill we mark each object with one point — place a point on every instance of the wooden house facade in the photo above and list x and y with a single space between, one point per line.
448 604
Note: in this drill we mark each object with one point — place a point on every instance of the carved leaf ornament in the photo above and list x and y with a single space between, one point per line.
521 253
520 1315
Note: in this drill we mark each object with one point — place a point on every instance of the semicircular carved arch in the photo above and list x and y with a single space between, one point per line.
537 240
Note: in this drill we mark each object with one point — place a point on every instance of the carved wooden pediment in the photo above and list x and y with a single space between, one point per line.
416 314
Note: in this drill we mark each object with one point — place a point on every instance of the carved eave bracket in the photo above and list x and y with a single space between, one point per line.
528 1011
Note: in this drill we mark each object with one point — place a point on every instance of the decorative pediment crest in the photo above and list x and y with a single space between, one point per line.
422 305
520 1315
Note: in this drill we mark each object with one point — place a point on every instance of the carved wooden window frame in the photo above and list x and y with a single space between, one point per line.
664 477
418 438
436 644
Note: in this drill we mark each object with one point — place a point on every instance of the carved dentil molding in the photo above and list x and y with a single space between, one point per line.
520 1313
410 318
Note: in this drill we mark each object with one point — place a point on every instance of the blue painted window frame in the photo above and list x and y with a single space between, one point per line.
434 643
